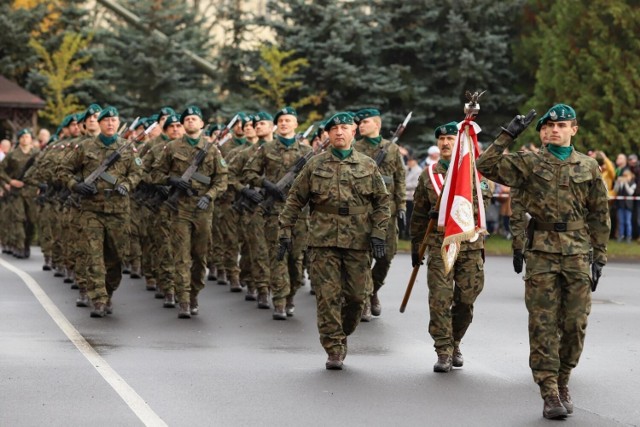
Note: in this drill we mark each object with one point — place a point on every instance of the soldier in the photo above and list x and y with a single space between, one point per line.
452 295
191 221
349 215
266 168
392 169
104 213
567 200
22 206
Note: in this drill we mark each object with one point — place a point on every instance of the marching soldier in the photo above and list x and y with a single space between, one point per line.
393 173
349 214
104 207
567 199
191 222
451 296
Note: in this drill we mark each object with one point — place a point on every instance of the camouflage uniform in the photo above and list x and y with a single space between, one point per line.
349 204
104 217
272 162
191 226
393 173
568 202
451 296
518 221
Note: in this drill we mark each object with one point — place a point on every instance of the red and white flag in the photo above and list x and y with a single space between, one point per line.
456 216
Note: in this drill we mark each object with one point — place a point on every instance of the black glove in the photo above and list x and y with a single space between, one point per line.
179 183
434 214
204 201
42 187
596 272
415 259
284 247
163 190
378 248
402 219
519 124
518 259
122 190
252 195
273 189
85 189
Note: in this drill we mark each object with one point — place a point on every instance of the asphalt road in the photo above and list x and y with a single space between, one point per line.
234 366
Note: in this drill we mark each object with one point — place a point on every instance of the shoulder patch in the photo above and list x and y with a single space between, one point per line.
138 161
484 185
223 162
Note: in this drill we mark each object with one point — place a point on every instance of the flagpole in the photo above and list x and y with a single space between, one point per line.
471 110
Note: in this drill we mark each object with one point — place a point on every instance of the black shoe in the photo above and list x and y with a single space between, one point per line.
334 362
98 310
194 306
47 264
74 285
553 409
213 274
222 278
126 269
159 293
235 286
136 273
443 364
58 272
457 359
251 295
565 399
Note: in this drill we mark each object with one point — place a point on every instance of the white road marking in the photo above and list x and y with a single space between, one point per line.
124 390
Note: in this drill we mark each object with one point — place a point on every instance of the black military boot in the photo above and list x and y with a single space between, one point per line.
58 271
27 251
334 362
376 308
443 364
553 409
136 272
194 310
213 273
222 278
184 311
126 268
235 285
68 276
98 310
290 307
565 398
47 264
169 300
457 358
159 292
150 283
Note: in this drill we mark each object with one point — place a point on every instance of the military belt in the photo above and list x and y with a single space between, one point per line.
559 226
342 210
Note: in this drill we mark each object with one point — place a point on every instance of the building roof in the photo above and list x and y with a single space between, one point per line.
13 96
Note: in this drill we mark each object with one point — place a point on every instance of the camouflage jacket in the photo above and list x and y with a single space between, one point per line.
518 220
329 184
273 162
13 167
175 160
391 168
85 157
555 191
231 145
425 199
238 162
236 149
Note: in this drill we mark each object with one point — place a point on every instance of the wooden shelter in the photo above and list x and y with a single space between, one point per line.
18 107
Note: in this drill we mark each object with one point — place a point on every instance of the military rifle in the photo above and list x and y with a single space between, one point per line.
192 170
131 129
382 154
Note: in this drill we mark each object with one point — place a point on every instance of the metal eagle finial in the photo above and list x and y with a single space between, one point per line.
472 107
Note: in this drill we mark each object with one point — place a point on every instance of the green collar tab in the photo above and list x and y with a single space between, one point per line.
288 142
374 141
108 140
560 153
192 141
240 141
342 154
444 164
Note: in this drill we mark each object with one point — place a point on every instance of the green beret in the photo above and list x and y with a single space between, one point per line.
258 117
191 110
108 112
214 127
286 111
166 111
366 113
153 118
81 116
93 108
58 132
561 113
342 118
24 132
142 121
247 118
173 118
542 121
450 128
68 120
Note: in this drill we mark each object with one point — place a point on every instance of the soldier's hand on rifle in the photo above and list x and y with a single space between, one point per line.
518 260
415 258
596 272
402 219
179 183
122 190
519 124
204 201
85 189
42 187
378 247
252 195
285 246
163 190
273 189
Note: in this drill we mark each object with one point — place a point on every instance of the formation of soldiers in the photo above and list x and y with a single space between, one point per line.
253 204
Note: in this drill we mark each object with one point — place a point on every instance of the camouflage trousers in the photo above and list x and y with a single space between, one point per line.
136 234
57 250
227 220
214 257
451 297
381 267
162 261
190 242
45 216
23 215
342 284
257 251
103 243
558 298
